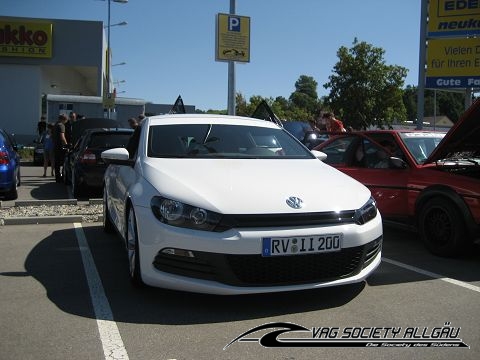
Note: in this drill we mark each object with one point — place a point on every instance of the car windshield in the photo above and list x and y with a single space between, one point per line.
224 141
109 140
421 144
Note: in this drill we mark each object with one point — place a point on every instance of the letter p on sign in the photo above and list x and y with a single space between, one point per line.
233 23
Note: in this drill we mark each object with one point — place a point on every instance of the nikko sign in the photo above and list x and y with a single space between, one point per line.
26 39
453 18
453 63
232 38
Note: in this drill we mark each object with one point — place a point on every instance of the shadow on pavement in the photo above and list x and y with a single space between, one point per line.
56 263
36 187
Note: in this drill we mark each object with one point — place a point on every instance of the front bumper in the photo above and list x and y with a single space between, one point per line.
230 262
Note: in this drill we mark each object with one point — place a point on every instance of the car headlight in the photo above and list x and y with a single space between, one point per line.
176 213
367 212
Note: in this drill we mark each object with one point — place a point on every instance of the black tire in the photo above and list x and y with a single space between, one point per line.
133 249
67 169
67 179
19 178
108 226
12 194
442 228
77 189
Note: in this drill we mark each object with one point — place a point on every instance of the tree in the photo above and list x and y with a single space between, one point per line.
305 96
451 104
410 103
365 91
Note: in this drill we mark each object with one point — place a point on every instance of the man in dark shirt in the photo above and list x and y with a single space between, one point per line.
72 117
136 125
59 143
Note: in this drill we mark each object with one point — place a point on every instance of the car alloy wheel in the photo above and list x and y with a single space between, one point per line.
133 249
442 228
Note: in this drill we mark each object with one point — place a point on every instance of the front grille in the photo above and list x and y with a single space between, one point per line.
285 220
255 270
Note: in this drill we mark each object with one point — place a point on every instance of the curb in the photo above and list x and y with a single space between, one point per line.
46 202
32 220
42 220
45 220
55 202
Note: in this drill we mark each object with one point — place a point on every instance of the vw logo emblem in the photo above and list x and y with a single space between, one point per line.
294 202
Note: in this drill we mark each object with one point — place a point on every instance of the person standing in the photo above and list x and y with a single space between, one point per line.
59 143
72 117
48 151
132 144
332 124
42 126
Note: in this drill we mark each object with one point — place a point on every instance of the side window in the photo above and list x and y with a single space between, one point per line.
388 142
340 150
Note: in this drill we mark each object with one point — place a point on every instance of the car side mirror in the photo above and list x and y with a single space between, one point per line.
319 155
117 156
397 163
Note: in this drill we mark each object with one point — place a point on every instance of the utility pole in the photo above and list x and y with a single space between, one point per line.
231 74
421 65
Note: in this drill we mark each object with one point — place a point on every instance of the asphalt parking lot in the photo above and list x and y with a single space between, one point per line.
65 294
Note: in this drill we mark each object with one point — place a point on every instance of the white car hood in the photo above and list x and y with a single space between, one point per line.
241 186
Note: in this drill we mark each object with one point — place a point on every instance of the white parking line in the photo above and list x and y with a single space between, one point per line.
433 275
112 343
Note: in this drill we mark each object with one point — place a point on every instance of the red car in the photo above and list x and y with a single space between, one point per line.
430 180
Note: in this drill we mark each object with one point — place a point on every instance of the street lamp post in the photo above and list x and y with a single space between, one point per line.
109 86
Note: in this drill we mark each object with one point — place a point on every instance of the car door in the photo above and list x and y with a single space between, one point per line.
358 156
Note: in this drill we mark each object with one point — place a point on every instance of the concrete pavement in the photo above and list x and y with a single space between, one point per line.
36 190
35 187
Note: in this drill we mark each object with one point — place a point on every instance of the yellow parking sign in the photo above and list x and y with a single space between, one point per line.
232 38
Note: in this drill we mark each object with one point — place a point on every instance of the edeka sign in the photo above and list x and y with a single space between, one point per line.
453 63
453 18
26 39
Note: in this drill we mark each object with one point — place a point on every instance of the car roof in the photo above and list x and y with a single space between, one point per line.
463 138
79 126
108 130
175 119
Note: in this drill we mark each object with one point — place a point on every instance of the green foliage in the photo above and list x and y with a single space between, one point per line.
364 91
26 153
305 96
303 104
448 103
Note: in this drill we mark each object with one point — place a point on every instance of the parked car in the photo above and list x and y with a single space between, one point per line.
85 167
425 179
304 132
203 208
78 128
9 167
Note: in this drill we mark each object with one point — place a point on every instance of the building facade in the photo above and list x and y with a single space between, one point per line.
42 60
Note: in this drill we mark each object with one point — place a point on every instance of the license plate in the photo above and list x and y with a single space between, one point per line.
301 245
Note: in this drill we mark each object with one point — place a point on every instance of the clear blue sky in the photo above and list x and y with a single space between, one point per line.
169 45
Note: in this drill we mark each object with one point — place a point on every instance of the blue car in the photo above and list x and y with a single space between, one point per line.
9 167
